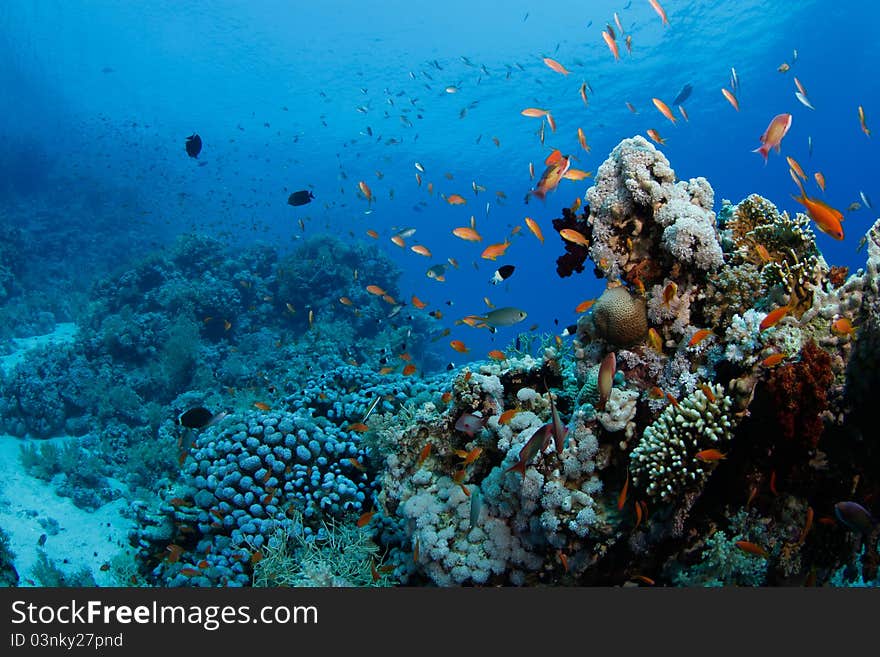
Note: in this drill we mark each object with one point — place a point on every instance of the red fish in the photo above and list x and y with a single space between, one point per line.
773 317
621 499
827 219
538 442
557 166
751 548
772 137
606 378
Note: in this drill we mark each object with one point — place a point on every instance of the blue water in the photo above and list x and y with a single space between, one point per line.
103 94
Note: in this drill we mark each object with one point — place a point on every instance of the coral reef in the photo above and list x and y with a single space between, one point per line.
737 407
618 317
798 393
665 462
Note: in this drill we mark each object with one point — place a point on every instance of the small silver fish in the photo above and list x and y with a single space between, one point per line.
371 408
810 145
803 99
865 199
734 80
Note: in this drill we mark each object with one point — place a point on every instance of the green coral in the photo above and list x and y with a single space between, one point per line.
339 556
724 564
664 462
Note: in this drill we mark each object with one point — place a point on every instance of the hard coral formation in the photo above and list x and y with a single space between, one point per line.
782 246
664 463
618 317
644 222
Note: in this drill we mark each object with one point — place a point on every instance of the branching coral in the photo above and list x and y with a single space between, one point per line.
782 246
664 463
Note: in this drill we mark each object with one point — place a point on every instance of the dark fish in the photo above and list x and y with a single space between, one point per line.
502 274
193 145
42 540
854 516
569 330
683 95
199 418
300 198
450 366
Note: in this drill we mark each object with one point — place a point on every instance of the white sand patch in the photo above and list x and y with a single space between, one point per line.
85 539
64 332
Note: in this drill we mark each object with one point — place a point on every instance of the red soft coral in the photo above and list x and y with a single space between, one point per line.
799 394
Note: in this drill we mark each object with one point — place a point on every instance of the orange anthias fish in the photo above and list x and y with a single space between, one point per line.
709 455
507 416
607 369
582 139
498 355
536 230
653 134
772 137
796 167
365 518
827 219
842 326
418 303
557 166
577 174
366 191
773 317
571 235
455 199
556 66
820 180
459 346
655 340
862 121
492 251
426 450
612 45
467 233
584 306
699 336
534 112
621 499
262 406
660 12
731 99
421 250
538 442
773 359
751 548
360 427
664 109
375 289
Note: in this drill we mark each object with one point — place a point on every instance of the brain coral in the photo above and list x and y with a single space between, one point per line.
620 318
664 462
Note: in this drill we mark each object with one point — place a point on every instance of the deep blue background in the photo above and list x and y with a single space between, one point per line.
104 93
